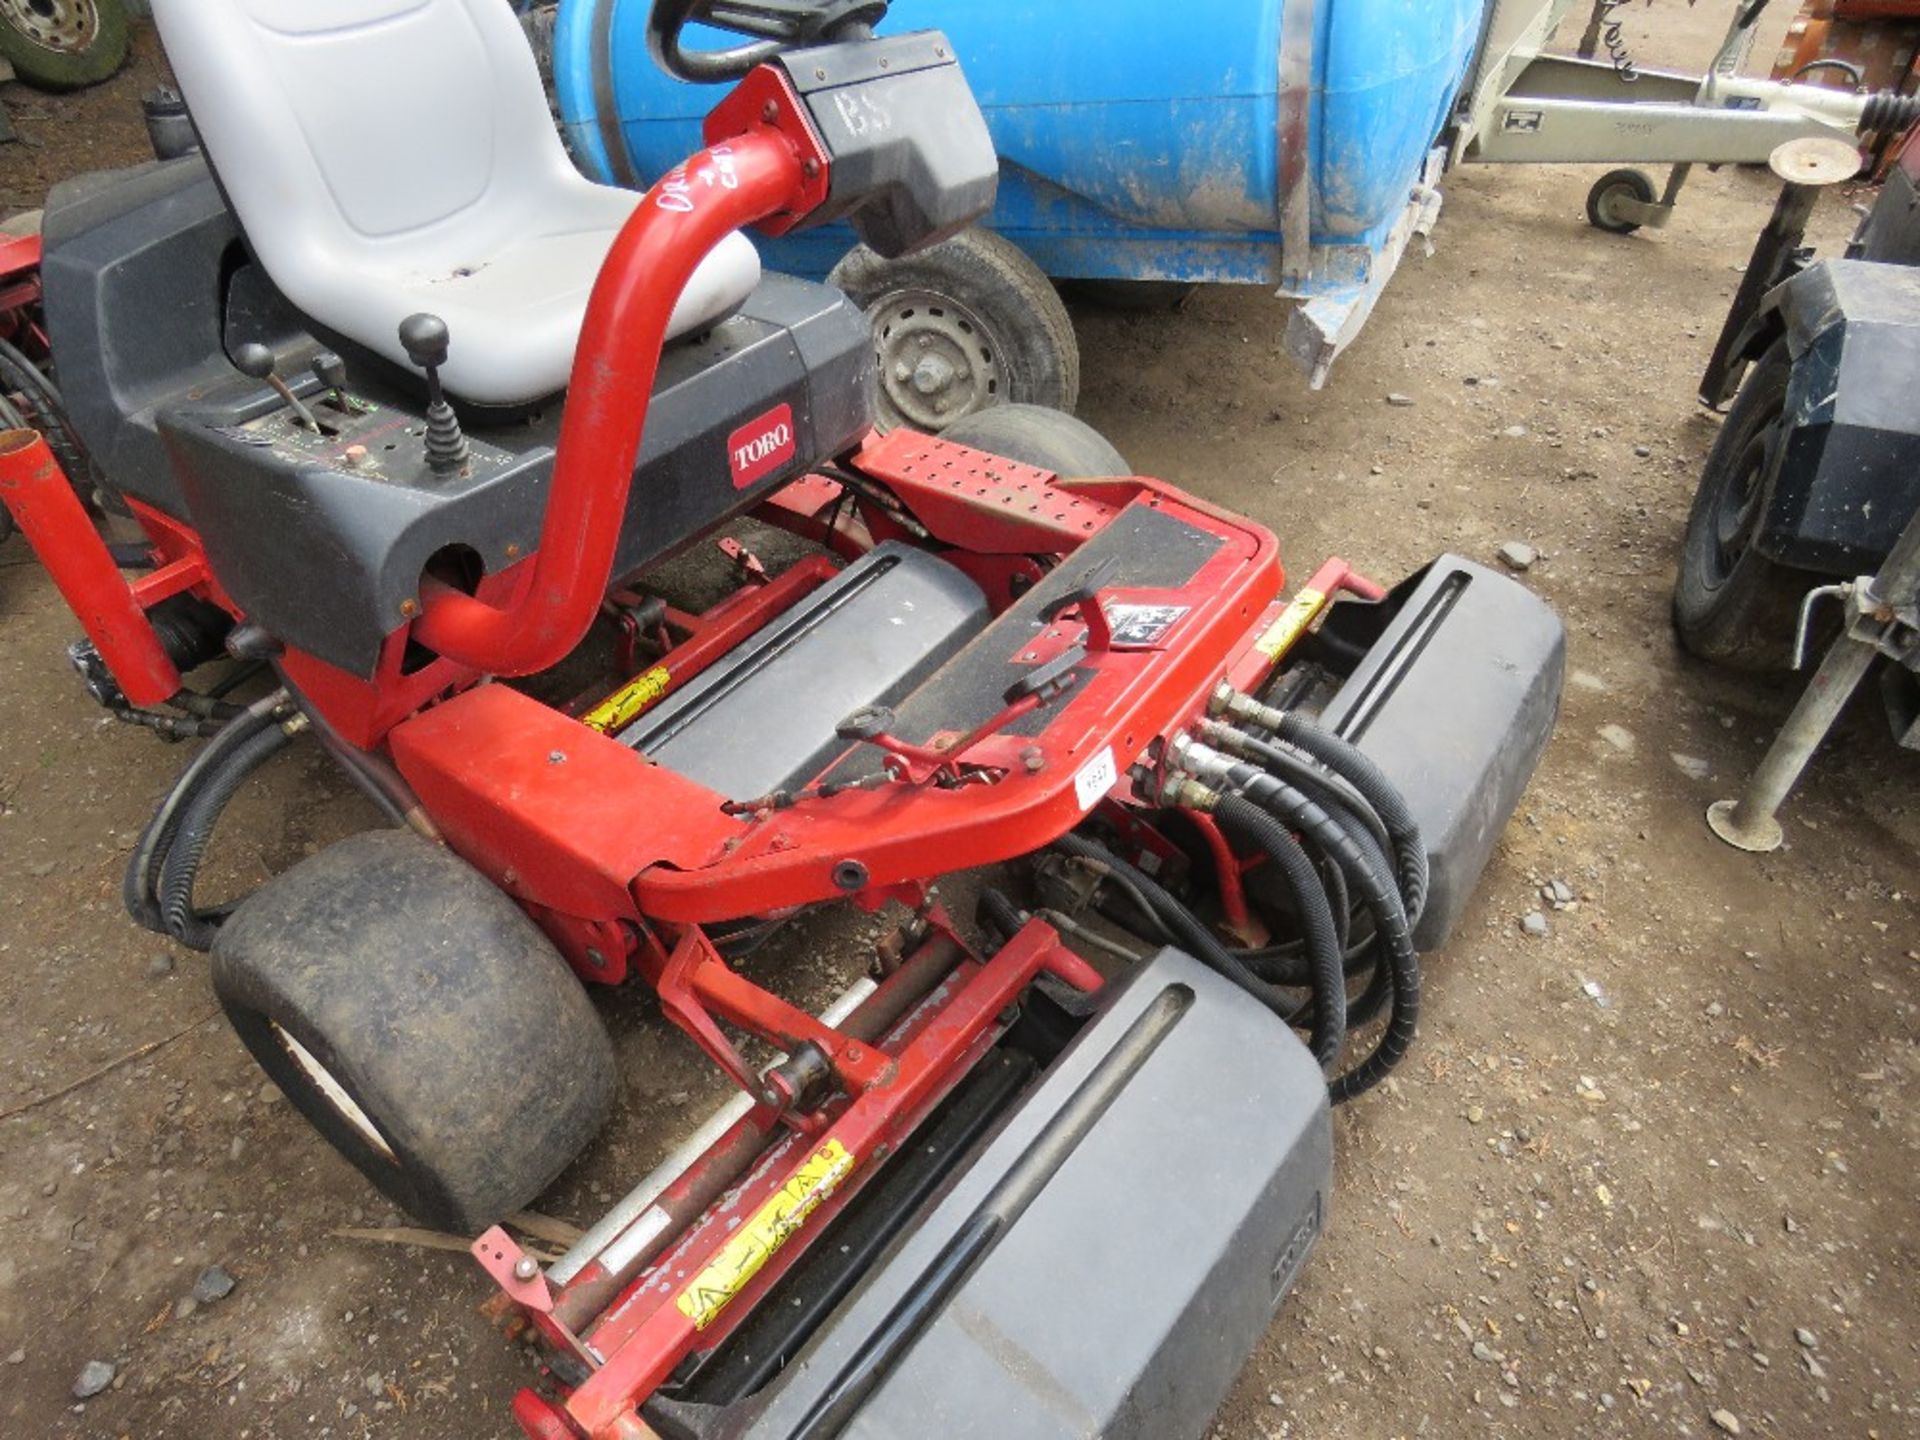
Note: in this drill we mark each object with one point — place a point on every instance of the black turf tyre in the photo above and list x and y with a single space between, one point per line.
1618 184
63 44
421 996
966 325
1035 435
1731 604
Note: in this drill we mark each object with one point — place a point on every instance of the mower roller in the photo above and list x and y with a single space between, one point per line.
412 430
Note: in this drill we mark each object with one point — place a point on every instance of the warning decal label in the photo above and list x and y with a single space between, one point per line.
772 1225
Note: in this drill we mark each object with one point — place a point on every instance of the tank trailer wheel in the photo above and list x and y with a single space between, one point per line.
967 324
1614 186
63 44
421 1022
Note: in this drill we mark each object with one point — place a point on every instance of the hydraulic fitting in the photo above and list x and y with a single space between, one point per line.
1231 703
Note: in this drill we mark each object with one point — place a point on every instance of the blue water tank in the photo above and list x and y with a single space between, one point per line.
1138 139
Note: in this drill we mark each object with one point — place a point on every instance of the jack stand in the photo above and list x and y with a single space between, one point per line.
1883 618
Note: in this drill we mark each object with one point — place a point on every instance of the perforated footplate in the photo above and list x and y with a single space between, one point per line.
1142 548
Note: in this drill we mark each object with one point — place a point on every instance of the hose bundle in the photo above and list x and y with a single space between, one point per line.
1345 847
159 884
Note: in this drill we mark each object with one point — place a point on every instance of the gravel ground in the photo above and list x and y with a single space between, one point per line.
1648 1173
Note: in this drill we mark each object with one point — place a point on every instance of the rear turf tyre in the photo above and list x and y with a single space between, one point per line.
63 44
1035 435
966 325
1612 187
1731 604
421 1022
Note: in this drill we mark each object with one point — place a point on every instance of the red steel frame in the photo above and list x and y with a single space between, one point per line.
20 295
640 1338
623 862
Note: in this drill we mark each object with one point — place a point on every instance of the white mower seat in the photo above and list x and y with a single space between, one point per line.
393 156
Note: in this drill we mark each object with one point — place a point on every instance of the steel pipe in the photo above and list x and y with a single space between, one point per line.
40 497
689 211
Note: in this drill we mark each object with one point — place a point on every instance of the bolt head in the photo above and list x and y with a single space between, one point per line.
525 1268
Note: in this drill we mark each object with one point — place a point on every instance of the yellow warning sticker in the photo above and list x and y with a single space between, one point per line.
755 1242
1291 624
626 704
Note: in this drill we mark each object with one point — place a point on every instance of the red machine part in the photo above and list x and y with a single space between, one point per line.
481 763
56 524
696 1292
775 168
20 320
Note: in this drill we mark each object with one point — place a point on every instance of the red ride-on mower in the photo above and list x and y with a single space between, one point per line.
413 418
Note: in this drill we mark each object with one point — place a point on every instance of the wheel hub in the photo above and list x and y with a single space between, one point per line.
937 362
1610 201
68 26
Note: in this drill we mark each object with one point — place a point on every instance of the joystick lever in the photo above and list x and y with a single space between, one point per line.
331 371
425 339
257 360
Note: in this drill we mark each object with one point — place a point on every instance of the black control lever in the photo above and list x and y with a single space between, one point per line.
425 339
1084 596
331 371
257 360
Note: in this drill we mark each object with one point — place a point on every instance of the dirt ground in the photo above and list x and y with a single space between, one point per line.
1654 1165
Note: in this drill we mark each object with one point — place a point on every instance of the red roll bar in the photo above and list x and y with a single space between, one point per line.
57 526
775 168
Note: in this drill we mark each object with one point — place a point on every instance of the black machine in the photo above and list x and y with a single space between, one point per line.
1812 489
1817 469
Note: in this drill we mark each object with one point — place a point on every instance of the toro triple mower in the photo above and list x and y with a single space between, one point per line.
420 428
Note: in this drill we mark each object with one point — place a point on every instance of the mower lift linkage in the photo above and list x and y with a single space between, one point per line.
930 1021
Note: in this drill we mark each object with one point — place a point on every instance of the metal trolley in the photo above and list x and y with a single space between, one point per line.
1524 105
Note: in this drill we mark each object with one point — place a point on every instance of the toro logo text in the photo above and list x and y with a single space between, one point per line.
761 446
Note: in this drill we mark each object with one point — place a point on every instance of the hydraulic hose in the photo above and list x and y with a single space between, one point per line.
1382 900
998 915
373 774
1348 761
49 416
140 891
1197 939
1247 822
1301 769
183 921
